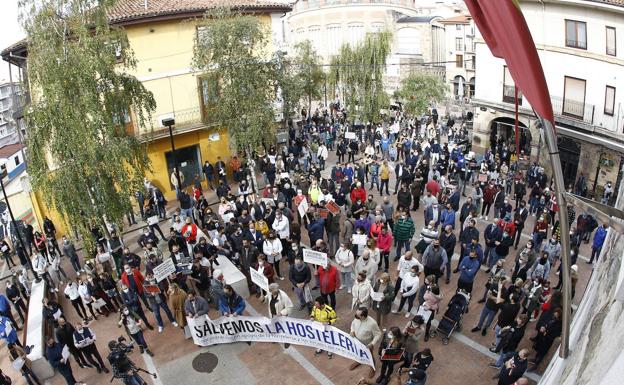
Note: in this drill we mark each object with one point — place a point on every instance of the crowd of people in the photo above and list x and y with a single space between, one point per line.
377 255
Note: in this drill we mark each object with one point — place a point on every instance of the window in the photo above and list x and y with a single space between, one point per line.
611 50
209 95
377 27
408 41
334 38
609 105
509 88
459 44
458 27
574 97
202 34
355 33
314 35
459 61
576 34
16 160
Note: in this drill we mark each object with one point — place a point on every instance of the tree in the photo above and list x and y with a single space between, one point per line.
309 71
289 85
232 47
418 90
359 71
81 159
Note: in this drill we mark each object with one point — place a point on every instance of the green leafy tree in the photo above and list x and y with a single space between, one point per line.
232 47
358 72
418 90
309 71
289 85
80 158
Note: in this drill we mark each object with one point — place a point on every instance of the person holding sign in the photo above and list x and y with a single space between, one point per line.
326 315
366 330
391 352
230 304
264 268
344 259
300 277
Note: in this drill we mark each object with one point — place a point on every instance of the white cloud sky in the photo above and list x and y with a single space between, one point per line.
11 33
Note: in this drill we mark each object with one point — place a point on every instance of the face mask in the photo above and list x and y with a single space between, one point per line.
128 271
126 290
79 330
126 312
413 274
390 336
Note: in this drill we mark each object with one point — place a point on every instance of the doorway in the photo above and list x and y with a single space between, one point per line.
189 161
570 154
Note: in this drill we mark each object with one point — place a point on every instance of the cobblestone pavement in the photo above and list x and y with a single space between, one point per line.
178 361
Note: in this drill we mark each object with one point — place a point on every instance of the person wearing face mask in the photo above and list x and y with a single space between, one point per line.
84 339
71 292
427 235
300 276
448 241
534 290
272 248
230 304
146 237
435 259
65 335
278 302
361 291
15 298
366 330
403 232
501 249
54 355
157 301
325 315
393 340
468 269
404 267
409 287
344 258
69 250
367 265
383 305
132 323
87 297
130 299
505 208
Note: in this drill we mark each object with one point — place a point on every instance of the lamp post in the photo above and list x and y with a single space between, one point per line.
169 123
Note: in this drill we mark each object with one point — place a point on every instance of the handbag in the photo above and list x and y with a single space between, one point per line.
307 293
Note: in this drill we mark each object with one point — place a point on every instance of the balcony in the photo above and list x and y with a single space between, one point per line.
573 110
186 120
509 95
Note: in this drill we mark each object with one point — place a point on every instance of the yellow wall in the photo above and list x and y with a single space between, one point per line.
209 150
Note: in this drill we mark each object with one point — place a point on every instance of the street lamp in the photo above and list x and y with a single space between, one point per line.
169 123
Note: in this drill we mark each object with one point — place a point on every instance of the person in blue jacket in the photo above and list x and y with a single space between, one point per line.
54 354
316 228
230 303
447 217
5 310
468 269
8 332
599 238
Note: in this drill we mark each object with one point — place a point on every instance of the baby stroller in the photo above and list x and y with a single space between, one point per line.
451 321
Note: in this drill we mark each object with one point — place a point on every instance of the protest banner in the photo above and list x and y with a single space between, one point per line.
224 330
349 135
359 239
164 270
259 279
333 207
314 257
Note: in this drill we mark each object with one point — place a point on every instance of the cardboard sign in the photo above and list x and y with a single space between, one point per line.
152 289
153 220
359 239
349 135
332 207
314 257
323 213
164 270
259 279
303 207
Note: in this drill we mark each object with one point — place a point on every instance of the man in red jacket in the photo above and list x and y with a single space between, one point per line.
358 193
133 279
189 232
329 281
433 186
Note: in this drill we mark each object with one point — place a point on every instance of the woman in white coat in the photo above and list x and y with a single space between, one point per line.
278 302
344 259
361 292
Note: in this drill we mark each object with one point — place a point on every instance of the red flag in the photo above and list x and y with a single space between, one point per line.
506 33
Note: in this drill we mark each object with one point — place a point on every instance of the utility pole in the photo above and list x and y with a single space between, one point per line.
169 123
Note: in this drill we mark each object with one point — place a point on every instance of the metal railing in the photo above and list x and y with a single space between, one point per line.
573 109
182 118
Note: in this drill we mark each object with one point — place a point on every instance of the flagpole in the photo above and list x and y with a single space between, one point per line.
564 227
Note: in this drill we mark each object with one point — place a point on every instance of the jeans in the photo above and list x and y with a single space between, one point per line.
487 315
374 180
140 340
493 258
409 300
186 213
135 379
503 358
154 228
75 264
595 253
300 293
30 377
384 259
402 244
384 182
156 310
346 278
497 331
332 242
330 298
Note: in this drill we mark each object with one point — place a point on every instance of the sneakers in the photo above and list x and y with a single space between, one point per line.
330 355
175 324
317 352
341 287
408 314
493 365
395 312
349 290
160 329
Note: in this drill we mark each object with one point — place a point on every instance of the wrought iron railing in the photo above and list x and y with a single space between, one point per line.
574 109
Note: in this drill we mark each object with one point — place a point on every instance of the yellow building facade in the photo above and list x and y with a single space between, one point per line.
162 35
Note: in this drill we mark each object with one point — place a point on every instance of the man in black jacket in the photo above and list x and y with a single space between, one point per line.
448 241
300 276
404 198
65 336
471 232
